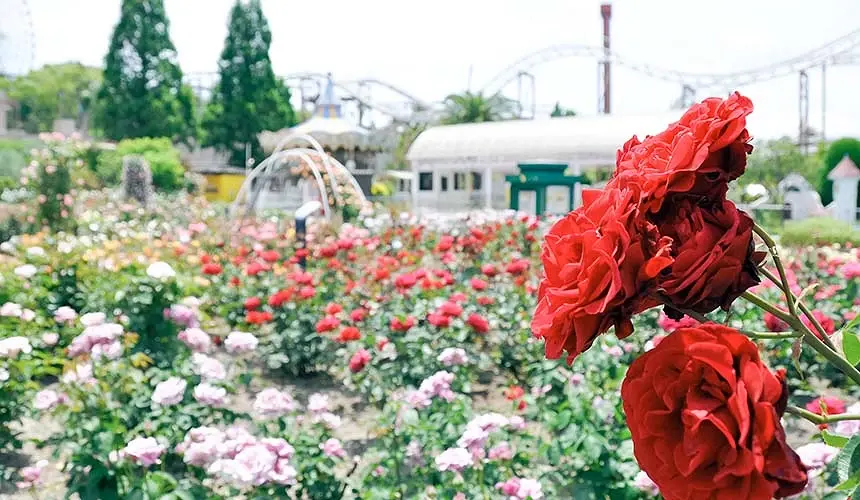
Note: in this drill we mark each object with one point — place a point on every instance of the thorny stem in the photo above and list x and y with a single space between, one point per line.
771 248
808 337
773 335
820 419
806 312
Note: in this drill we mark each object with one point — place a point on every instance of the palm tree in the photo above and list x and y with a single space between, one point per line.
475 107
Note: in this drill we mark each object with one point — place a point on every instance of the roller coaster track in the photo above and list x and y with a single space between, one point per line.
837 52
844 50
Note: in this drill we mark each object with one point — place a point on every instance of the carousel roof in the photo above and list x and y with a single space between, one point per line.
593 137
327 125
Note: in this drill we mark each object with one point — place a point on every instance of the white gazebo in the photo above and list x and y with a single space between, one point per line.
845 176
458 167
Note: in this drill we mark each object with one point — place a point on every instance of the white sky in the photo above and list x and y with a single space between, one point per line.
428 47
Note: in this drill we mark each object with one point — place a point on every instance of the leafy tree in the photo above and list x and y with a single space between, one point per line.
772 161
475 107
404 142
142 94
559 111
248 98
53 91
831 156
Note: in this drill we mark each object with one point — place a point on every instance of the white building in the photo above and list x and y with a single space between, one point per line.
459 167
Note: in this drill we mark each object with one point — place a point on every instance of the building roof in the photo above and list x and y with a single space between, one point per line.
594 138
845 169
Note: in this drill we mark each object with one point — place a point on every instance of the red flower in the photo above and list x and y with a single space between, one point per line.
829 405
697 155
714 258
399 325
704 414
774 324
445 243
517 266
212 269
349 334
381 343
252 303
458 297
280 297
824 320
450 308
258 317
478 323
489 270
358 315
270 256
478 284
405 281
359 360
254 268
485 300
235 281
600 261
670 325
439 320
307 292
333 308
327 324
514 393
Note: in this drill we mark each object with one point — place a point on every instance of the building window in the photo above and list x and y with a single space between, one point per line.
444 183
425 181
476 181
459 182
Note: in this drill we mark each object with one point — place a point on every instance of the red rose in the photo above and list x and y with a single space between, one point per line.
253 303
359 360
333 308
349 334
704 414
404 325
327 324
697 155
824 320
270 256
478 323
714 258
212 269
439 320
599 263
478 284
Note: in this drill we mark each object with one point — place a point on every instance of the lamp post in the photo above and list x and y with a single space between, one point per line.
302 215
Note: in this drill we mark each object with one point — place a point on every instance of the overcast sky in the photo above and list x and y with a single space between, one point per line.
428 48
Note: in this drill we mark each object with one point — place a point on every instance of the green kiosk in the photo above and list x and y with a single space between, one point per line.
542 188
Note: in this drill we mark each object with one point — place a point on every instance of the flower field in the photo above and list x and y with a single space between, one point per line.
163 354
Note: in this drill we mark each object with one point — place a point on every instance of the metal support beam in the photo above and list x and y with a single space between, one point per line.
824 101
803 131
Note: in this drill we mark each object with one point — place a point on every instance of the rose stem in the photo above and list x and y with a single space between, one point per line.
771 248
806 312
773 335
820 419
808 337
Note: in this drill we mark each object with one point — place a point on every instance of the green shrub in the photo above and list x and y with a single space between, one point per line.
13 156
818 231
167 171
832 156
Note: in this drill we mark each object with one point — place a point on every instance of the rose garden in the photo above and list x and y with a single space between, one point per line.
655 341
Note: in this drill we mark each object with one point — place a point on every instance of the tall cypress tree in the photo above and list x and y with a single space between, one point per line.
142 94
248 98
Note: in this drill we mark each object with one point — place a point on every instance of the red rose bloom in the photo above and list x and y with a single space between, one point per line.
333 308
212 269
599 263
714 258
359 360
478 284
253 303
697 155
349 334
270 256
704 414
478 323
404 325
327 324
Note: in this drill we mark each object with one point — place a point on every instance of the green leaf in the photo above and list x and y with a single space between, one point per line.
834 439
851 346
848 460
562 420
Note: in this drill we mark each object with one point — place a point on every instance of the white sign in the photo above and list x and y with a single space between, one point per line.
557 200
528 202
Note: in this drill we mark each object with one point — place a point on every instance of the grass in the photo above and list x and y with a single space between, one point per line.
818 231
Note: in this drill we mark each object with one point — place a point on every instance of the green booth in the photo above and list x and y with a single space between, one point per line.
542 188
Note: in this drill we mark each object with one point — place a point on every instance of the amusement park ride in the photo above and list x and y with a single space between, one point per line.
17 54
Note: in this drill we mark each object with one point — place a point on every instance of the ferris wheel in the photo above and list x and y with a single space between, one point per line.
17 39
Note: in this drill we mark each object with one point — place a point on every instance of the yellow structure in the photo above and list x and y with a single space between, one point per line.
222 183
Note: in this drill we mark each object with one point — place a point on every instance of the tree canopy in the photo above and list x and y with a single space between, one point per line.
142 94
248 97
559 111
51 92
831 156
475 107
